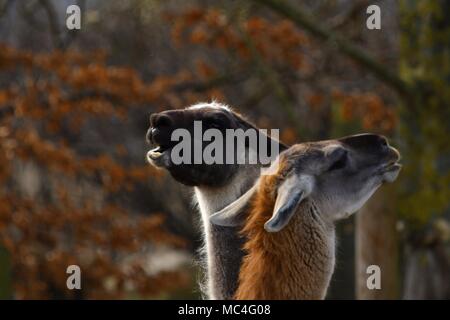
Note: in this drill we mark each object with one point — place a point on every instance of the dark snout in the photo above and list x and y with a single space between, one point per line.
374 144
161 126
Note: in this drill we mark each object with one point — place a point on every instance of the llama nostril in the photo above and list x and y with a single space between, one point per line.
383 142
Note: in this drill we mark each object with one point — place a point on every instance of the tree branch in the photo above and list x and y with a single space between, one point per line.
53 22
341 20
303 20
4 7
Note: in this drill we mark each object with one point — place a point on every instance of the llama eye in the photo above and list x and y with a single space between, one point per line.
340 163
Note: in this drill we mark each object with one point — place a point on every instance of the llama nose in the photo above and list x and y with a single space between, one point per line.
383 141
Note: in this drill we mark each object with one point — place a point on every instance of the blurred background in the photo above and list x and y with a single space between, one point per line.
75 106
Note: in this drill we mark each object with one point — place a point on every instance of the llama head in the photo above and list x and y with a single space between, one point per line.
338 176
211 115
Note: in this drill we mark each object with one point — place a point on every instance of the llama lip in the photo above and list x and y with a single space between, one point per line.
157 152
392 166
154 153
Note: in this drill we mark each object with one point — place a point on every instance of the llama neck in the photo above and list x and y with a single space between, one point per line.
223 245
295 263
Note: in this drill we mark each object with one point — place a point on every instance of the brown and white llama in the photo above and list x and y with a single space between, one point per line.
289 227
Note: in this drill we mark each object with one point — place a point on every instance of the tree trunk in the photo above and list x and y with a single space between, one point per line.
376 244
427 268
425 65
5 274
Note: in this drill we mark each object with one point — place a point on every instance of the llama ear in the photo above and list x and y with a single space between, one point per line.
233 214
291 192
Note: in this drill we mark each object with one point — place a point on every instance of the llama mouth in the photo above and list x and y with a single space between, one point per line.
156 153
390 171
391 166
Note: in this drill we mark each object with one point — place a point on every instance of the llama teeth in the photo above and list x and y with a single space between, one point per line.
154 153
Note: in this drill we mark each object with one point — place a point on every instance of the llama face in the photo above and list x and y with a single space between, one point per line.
164 123
339 176
211 115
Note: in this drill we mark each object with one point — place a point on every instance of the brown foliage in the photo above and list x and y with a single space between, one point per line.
369 109
55 93
279 43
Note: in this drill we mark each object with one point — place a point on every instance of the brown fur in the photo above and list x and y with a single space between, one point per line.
294 263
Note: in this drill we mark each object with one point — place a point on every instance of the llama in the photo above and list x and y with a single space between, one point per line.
290 216
216 186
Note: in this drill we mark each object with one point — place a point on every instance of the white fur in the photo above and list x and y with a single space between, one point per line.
211 200
213 104
227 216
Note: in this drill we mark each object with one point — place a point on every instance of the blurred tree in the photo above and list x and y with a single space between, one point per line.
424 91
425 65
47 103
